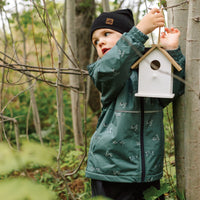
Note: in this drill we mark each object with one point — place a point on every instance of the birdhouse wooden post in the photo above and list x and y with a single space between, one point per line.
155 77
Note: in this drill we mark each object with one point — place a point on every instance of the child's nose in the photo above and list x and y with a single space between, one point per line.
101 41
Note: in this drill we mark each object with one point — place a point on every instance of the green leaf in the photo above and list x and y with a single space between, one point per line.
37 154
100 198
152 193
31 153
180 194
24 189
9 160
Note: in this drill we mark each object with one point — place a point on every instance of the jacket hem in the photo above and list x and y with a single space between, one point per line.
123 179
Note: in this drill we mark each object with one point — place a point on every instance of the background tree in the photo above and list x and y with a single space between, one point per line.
177 17
105 5
85 13
2 4
138 11
36 117
60 104
74 80
192 103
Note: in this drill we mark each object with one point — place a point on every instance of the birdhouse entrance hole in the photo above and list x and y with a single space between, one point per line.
155 65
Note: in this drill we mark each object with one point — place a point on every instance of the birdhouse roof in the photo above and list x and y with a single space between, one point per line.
164 52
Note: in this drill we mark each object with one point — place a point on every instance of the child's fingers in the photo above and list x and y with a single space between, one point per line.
158 20
171 30
156 14
154 10
166 30
175 30
162 35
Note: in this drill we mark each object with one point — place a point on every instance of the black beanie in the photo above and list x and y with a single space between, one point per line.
120 21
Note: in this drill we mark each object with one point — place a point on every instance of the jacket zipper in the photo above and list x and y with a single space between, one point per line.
142 139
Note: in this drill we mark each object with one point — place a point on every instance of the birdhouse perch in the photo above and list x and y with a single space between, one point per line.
156 73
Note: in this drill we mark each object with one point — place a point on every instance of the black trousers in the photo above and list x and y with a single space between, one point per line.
122 191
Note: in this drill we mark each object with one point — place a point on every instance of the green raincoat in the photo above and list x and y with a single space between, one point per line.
128 144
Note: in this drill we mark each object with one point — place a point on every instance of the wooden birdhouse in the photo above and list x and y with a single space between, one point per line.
155 78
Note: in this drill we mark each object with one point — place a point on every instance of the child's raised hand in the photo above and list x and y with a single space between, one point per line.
170 38
151 21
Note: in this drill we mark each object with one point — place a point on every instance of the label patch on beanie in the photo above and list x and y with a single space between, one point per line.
109 21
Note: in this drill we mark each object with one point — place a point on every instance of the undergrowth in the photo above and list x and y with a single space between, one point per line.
50 178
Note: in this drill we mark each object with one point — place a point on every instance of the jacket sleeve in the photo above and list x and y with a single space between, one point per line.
179 76
111 72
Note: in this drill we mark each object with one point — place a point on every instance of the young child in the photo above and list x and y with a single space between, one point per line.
127 149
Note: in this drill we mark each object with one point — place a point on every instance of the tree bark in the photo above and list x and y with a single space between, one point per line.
192 106
177 17
106 6
138 11
3 76
60 105
74 80
84 17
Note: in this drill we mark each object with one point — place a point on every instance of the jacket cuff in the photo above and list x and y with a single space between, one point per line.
175 52
135 34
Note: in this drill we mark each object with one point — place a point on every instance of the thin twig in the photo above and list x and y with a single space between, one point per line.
52 35
14 97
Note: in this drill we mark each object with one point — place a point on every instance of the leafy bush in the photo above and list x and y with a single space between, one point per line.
12 161
24 189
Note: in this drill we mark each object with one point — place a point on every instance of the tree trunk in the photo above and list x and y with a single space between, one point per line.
74 80
84 17
138 11
60 105
177 17
192 106
3 77
106 6
36 118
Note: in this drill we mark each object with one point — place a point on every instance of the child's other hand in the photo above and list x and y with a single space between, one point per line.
170 38
151 21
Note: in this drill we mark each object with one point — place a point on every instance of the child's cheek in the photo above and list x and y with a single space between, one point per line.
99 53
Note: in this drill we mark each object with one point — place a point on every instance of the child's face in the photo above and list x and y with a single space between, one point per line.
104 39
